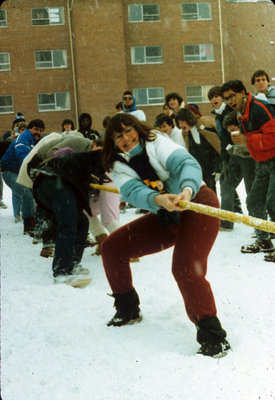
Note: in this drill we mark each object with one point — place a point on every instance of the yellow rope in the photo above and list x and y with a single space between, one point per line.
261 224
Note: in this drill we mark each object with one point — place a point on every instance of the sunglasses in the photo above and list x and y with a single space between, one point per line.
127 98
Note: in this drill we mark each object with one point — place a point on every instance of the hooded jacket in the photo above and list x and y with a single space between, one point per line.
139 114
88 133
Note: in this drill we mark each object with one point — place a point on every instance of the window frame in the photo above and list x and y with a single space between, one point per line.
62 16
12 105
142 13
194 99
52 59
9 63
54 103
5 20
146 58
199 54
199 18
161 101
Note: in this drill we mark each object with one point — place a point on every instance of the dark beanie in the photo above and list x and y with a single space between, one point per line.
19 118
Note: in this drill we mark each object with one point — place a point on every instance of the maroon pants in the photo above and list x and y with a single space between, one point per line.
192 239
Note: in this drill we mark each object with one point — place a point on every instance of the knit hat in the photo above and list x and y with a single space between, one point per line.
19 118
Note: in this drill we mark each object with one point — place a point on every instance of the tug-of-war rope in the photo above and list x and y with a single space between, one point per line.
258 223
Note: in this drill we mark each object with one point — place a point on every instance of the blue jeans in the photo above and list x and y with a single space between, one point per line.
72 224
237 169
22 197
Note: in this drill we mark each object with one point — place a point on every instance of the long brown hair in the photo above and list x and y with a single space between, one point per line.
110 150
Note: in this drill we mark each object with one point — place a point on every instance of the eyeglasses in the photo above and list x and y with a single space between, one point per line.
127 98
230 97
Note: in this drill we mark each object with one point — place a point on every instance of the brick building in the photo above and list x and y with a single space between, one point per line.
59 58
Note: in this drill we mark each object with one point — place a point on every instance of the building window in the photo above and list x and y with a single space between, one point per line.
6 104
143 12
48 16
50 59
3 18
54 101
196 11
197 94
149 96
146 55
5 62
198 52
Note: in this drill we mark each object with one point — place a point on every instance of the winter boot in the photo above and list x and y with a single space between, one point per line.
211 337
264 245
29 226
47 250
127 306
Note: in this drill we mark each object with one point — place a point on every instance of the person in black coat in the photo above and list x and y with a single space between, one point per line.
61 185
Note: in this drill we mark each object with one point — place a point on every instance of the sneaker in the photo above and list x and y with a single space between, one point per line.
3 205
77 281
270 257
215 350
264 246
17 219
79 270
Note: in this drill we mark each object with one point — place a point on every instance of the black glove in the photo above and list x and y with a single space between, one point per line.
167 218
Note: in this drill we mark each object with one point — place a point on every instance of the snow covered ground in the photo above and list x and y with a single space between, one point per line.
55 344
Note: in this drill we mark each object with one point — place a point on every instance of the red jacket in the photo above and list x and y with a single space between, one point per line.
258 124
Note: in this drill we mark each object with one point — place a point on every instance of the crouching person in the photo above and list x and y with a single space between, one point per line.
61 185
154 173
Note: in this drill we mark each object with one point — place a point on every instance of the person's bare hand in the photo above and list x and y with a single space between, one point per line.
184 195
239 139
167 201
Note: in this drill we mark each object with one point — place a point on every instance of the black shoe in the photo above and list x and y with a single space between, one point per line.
128 312
270 257
215 350
211 336
264 246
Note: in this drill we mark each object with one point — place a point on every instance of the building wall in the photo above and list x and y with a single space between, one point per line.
99 57
24 82
102 37
248 30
